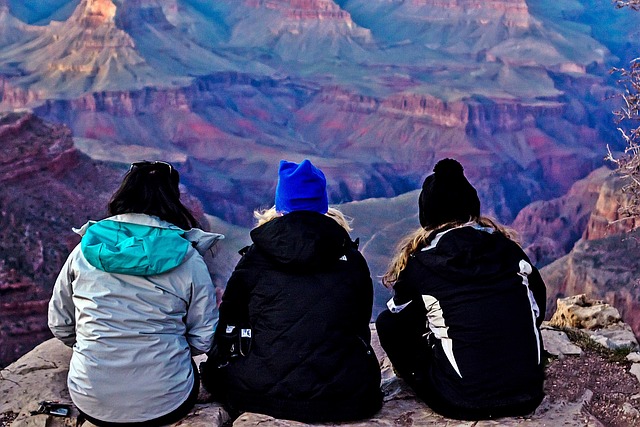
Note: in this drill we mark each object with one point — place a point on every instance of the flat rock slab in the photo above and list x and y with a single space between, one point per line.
402 408
41 375
557 342
411 412
615 336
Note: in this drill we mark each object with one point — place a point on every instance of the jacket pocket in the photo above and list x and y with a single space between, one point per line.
234 342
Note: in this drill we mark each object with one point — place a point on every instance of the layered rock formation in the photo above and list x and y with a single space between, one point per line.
514 13
603 263
549 229
305 9
373 91
606 220
40 375
46 187
299 30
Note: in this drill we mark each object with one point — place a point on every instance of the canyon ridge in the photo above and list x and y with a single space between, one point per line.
372 91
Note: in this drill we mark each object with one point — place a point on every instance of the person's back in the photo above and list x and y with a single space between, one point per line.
306 293
135 300
472 292
476 298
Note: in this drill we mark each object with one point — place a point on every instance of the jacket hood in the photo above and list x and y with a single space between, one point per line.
302 239
140 245
469 251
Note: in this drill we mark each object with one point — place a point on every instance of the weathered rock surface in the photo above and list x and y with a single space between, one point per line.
407 411
616 336
603 264
41 375
557 342
549 229
46 187
599 320
581 312
606 220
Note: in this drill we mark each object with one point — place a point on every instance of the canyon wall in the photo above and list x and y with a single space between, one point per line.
374 92
548 229
603 263
46 187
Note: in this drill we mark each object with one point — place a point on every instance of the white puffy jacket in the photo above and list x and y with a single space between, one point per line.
136 301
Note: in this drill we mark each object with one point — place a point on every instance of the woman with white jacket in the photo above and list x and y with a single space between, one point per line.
135 300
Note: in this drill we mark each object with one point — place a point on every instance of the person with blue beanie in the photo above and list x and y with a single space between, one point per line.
301 187
293 340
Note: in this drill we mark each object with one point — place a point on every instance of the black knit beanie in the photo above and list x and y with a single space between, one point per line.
447 196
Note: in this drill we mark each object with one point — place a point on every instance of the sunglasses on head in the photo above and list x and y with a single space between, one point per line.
148 163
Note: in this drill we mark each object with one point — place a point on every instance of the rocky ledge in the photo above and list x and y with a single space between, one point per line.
41 375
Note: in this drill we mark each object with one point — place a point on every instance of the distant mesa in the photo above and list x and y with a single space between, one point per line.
375 92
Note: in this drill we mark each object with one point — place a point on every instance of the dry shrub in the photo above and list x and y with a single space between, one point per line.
633 4
628 120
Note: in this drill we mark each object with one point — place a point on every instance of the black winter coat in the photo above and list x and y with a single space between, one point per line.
483 302
306 293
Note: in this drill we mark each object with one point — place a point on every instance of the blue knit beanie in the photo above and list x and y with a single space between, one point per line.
301 187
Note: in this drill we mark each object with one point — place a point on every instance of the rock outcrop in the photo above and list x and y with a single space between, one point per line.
41 375
46 187
603 262
605 219
549 229
515 13
599 320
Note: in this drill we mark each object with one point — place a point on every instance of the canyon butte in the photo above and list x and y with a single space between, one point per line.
372 91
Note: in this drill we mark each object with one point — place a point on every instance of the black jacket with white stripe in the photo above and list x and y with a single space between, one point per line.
481 302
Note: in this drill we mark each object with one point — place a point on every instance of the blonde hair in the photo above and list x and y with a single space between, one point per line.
265 215
421 238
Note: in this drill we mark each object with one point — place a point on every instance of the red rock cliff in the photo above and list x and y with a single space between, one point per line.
46 187
604 262
549 229
305 9
606 220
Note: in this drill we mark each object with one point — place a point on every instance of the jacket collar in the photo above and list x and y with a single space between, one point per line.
472 224
200 239
302 238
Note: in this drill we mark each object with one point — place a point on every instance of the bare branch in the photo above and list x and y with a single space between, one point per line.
628 117
633 4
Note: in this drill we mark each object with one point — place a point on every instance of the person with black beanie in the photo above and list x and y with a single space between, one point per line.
462 328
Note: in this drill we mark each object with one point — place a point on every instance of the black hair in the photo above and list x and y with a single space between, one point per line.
152 188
